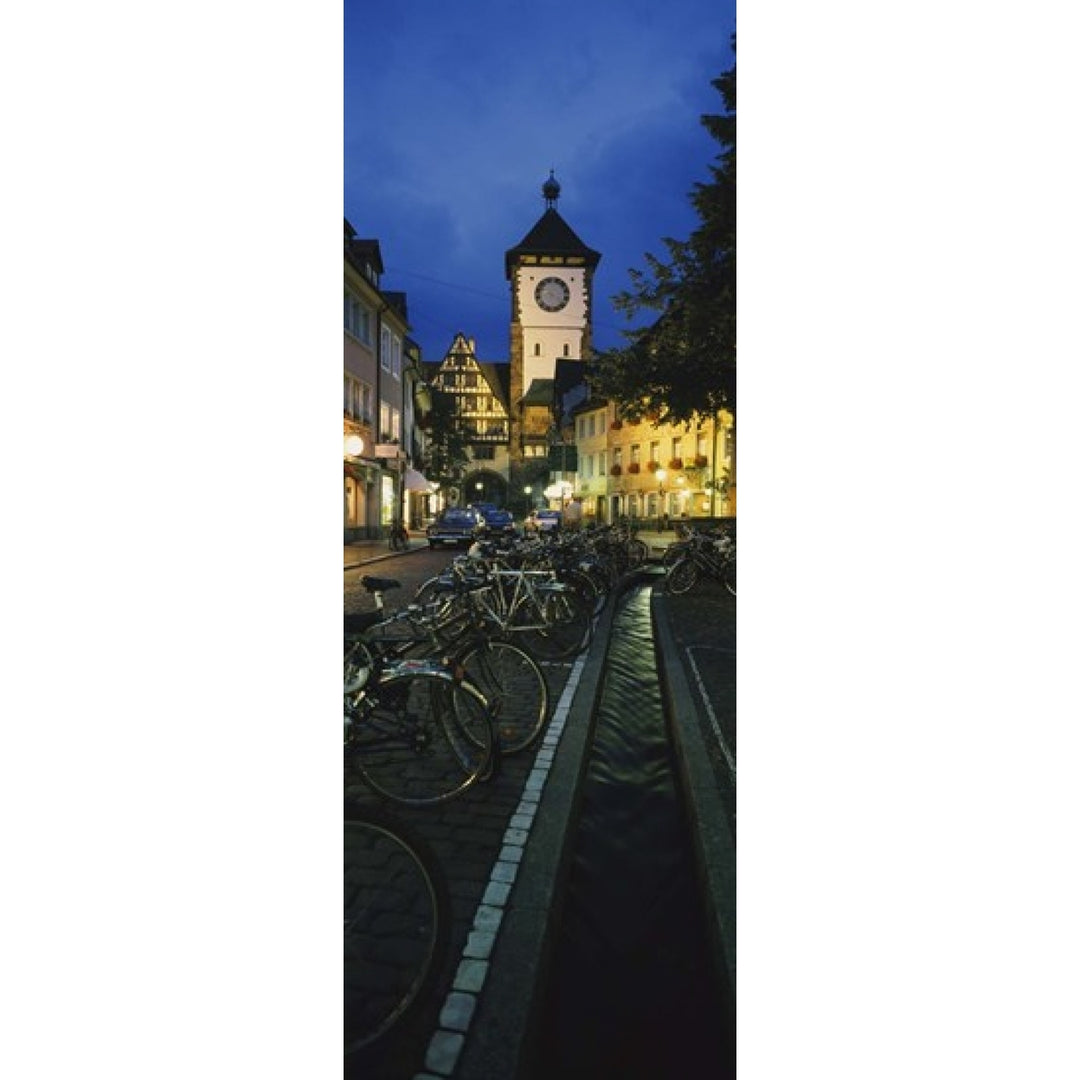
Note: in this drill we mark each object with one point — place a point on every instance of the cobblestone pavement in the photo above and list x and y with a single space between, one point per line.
702 623
468 834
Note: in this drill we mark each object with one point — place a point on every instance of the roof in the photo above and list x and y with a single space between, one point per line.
398 300
568 374
363 253
498 378
551 236
540 392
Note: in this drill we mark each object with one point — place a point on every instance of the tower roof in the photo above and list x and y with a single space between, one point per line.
551 236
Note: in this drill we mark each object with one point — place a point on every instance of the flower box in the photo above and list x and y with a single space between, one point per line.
616 470
700 461
675 463
616 425
634 467
652 466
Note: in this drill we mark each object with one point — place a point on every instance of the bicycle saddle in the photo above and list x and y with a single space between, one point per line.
379 584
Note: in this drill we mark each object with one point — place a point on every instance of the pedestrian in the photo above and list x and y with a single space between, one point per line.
572 515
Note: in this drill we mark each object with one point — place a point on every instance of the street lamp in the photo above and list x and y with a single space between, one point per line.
354 446
528 497
661 476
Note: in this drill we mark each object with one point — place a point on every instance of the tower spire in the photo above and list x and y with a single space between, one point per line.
551 190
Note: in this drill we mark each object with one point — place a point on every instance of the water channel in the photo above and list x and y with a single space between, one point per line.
633 992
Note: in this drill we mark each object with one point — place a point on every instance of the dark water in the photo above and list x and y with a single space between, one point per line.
633 995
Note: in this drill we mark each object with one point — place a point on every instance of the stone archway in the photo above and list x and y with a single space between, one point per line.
493 489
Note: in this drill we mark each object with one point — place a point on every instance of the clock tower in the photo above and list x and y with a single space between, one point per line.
550 274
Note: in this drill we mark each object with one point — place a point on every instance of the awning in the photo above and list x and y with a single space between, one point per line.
415 481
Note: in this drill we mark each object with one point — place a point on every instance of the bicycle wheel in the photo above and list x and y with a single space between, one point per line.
397 924
637 552
514 685
567 626
673 553
586 588
682 576
420 737
729 575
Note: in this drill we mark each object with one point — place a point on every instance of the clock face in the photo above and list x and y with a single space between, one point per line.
553 294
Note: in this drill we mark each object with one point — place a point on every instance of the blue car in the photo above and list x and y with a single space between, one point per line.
456 525
498 521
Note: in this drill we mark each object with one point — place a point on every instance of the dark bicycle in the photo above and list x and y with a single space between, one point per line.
397 924
397 537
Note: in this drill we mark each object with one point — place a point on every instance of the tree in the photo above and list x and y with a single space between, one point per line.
446 450
683 365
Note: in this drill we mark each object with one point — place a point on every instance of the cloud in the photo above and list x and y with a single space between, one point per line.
455 114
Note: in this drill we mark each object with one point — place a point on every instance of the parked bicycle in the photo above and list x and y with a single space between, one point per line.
416 732
703 557
397 924
550 619
397 536
465 641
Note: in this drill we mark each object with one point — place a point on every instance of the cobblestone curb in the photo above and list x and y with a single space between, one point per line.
499 1044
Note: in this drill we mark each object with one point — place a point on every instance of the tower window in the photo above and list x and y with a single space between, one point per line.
566 350
536 350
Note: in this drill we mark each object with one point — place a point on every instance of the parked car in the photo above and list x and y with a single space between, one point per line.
498 521
544 521
456 525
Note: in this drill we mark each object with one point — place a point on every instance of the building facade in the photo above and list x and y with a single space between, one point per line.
480 395
533 432
379 413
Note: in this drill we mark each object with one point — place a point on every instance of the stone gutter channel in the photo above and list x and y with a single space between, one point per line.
490 1023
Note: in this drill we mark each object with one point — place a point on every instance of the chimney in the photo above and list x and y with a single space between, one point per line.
472 345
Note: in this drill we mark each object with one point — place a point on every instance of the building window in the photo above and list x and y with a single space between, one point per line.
635 454
602 463
384 357
536 350
566 350
616 456
654 451
357 399
701 445
357 319
395 357
676 448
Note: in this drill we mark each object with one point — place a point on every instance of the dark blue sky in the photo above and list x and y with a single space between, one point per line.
455 113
